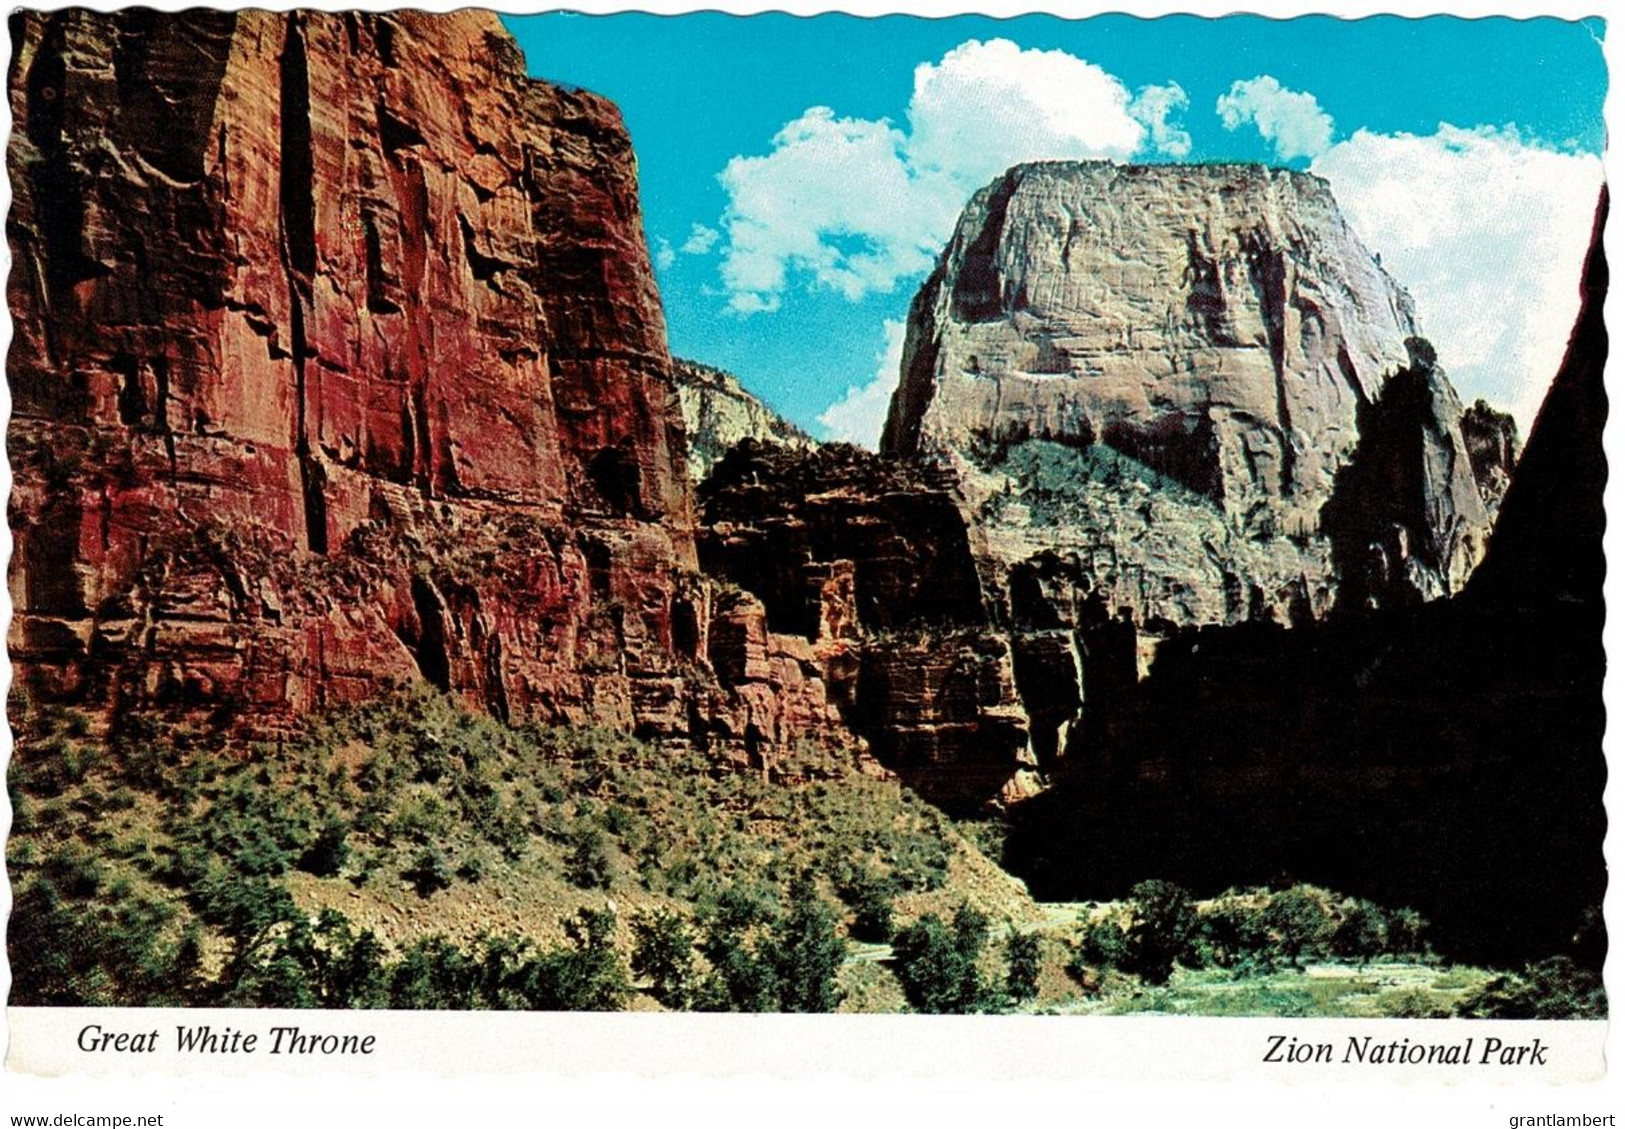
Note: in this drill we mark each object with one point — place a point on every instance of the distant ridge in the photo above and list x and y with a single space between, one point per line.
718 412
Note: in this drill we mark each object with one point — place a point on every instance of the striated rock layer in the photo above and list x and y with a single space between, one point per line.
1165 372
718 413
338 363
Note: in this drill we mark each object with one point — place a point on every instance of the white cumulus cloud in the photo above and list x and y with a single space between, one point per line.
1488 232
860 416
664 255
987 106
834 199
1291 120
858 205
1152 107
700 240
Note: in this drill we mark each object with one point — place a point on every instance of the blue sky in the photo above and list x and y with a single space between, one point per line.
799 174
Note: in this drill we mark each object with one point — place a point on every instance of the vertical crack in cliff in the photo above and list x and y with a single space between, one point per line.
978 292
298 252
160 413
297 159
432 652
58 194
428 461
916 383
1266 265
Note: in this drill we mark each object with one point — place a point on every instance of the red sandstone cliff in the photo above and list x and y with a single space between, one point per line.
339 362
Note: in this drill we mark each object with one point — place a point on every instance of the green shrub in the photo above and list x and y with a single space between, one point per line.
1407 932
244 908
1024 960
1102 944
587 976
663 950
1410 1003
1163 924
869 894
807 951
1362 933
589 865
329 851
472 867
419 819
46 768
75 871
1555 988
249 828
66 954
742 905
937 964
322 964
433 974
741 977
430 872
1236 937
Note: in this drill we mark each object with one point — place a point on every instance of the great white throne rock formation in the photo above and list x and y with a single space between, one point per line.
1183 395
1164 374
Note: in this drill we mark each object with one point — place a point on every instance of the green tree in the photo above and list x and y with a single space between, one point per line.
1161 929
434 974
808 951
1237 938
1555 988
1362 933
937 963
1407 931
1297 919
589 865
663 950
1102 944
1024 961
741 979
113 952
329 851
430 871
587 976
870 896
322 963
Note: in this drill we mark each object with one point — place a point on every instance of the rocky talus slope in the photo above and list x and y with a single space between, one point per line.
339 363
718 413
1163 375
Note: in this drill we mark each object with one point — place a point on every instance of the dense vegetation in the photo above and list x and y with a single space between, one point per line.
1260 942
413 855
160 868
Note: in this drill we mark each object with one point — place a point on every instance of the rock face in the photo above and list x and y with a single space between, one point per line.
339 363
1493 449
868 567
718 413
1406 517
1446 756
1163 371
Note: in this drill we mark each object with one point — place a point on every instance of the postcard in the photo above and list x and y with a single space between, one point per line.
703 543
